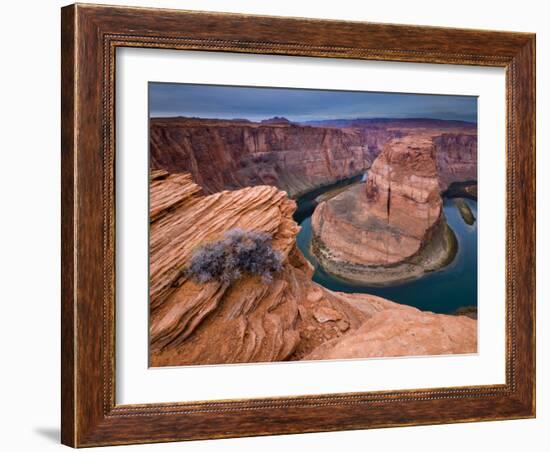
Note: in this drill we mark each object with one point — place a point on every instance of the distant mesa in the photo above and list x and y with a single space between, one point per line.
276 120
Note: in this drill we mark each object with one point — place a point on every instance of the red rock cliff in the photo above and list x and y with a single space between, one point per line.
234 154
231 154
456 156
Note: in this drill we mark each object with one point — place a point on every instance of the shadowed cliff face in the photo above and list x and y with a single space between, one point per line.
291 318
231 154
234 154
456 157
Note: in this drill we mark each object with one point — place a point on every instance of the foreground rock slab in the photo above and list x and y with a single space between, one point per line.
402 332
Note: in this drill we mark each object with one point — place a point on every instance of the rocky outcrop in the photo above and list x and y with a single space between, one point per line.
216 322
392 228
465 211
455 142
224 155
291 318
404 331
465 189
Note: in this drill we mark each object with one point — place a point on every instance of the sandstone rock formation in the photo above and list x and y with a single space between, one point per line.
292 318
456 157
214 322
231 154
404 331
391 228
234 154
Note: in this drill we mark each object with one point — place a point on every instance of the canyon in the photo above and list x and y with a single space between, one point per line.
298 157
378 220
234 154
292 317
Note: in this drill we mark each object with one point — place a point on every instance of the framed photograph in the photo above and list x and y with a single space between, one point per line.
282 225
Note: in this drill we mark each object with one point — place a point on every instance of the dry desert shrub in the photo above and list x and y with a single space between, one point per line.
239 253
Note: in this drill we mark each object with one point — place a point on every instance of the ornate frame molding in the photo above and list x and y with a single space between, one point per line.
90 37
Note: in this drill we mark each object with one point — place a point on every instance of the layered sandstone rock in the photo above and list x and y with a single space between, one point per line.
456 157
234 154
231 154
391 228
403 331
214 322
250 321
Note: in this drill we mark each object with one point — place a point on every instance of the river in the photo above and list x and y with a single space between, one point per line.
443 291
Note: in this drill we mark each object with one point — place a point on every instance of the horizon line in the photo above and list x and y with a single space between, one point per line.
355 118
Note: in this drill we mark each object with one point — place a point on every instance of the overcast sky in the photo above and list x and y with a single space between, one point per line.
214 101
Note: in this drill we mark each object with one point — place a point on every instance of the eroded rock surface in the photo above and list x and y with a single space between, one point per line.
234 154
231 154
404 331
391 228
214 322
250 321
456 157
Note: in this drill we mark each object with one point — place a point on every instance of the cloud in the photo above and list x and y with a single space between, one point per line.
254 103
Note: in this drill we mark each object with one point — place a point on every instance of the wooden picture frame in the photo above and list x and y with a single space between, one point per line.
90 36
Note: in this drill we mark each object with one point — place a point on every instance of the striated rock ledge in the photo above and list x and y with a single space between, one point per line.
393 227
290 319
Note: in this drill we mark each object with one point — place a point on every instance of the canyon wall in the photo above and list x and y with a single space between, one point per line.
291 318
392 227
456 157
231 154
234 154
